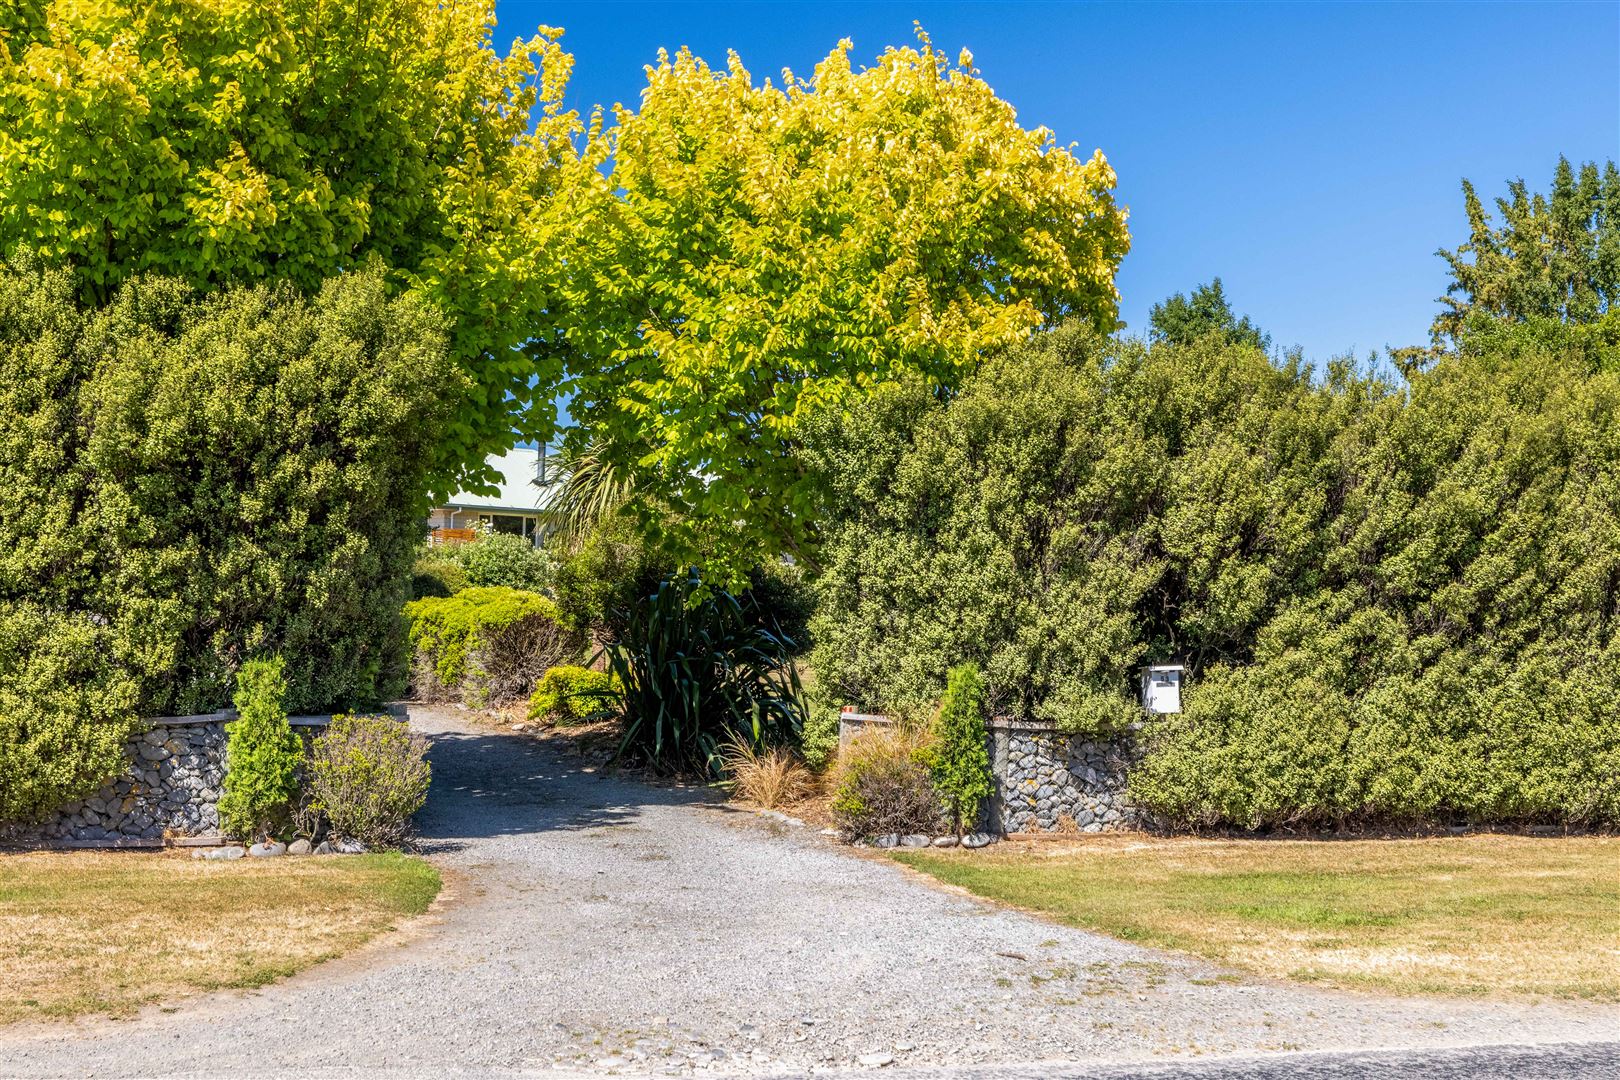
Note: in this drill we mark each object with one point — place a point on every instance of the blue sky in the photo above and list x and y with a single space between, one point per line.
1308 154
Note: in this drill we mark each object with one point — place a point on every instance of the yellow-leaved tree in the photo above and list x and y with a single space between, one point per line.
224 141
761 253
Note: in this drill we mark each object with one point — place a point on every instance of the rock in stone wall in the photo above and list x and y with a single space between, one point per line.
1047 781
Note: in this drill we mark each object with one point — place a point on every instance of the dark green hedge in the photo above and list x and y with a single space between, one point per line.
1458 657
1397 601
193 481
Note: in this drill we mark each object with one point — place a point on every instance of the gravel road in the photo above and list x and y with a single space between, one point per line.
597 925
1579 1061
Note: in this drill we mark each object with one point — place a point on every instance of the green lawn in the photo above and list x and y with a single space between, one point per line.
1457 915
108 932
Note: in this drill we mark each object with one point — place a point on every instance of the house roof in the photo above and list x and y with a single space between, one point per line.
519 491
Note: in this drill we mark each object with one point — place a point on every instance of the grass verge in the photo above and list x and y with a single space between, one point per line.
108 932
1455 915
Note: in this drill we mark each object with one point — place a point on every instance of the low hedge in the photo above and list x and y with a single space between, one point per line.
570 694
486 646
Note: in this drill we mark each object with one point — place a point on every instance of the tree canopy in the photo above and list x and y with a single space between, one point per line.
763 253
224 141
1552 257
1181 319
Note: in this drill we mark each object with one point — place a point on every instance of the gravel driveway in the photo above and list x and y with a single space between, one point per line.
598 925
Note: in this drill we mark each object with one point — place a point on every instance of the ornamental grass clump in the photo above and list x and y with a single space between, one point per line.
767 777
368 775
262 755
960 759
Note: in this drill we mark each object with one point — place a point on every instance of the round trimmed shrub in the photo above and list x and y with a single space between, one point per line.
368 775
487 646
569 694
497 558
437 574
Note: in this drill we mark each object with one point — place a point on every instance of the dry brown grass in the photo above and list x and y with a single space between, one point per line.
108 932
1461 915
877 742
770 778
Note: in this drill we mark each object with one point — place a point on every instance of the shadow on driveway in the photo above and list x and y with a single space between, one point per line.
488 784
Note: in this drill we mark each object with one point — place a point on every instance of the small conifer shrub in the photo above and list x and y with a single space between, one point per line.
961 761
262 755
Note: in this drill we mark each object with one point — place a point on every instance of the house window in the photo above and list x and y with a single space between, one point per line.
507 523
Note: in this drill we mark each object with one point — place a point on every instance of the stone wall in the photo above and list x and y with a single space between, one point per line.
170 790
1047 781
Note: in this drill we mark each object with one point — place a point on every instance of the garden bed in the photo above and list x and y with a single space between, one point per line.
1457 915
109 932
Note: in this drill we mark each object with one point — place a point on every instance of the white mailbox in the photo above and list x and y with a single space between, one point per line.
1161 688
